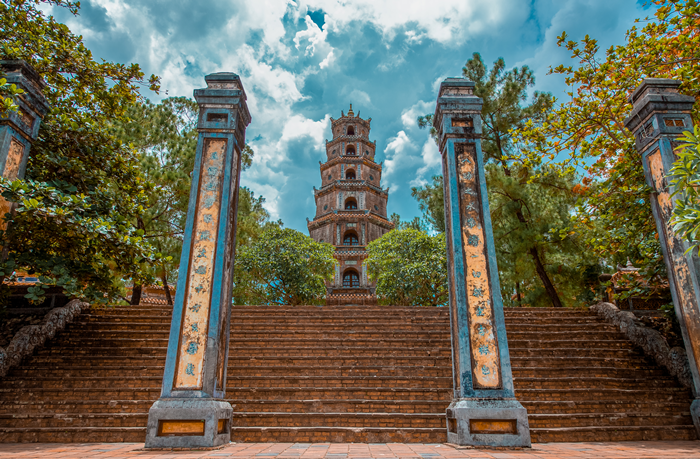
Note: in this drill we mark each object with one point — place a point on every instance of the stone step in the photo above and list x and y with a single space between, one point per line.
302 381
604 372
366 393
338 435
103 393
255 361
343 419
622 420
291 381
603 406
613 433
631 361
670 394
340 405
85 371
131 346
661 384
63 420
75 406
73 435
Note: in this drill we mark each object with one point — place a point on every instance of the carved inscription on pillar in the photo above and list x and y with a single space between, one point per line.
483 340
193 343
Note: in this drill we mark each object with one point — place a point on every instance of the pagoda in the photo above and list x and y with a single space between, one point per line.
350 208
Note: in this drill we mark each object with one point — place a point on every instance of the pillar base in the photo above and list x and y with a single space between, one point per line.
188 423
501 423
695 414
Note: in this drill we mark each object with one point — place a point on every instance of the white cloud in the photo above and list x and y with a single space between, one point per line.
360 98
313 35
442 21
330 58
432 163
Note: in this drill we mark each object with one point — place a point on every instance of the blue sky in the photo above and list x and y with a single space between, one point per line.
302 62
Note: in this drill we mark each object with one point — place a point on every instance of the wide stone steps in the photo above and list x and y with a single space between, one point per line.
362 374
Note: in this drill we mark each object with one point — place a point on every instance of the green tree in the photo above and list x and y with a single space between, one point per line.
165 137
410 268
73 224
416 223
685 178
431 200
587 133
283 266
535 215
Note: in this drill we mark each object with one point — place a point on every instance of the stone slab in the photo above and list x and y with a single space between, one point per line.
165 414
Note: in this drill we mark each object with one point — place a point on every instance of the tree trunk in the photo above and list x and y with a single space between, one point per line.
548 286
518 296
136 295
168 297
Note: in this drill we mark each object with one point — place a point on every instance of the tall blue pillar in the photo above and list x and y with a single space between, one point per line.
659 116
484 411
191 412
19 129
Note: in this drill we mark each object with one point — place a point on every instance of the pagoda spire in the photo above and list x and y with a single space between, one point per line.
350 112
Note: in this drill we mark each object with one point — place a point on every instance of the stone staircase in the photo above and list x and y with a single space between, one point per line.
341 373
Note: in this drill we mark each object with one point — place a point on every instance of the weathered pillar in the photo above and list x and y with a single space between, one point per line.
19 129
484 411
190 412
659 117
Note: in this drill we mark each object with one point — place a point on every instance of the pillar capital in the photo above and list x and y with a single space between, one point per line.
32 103
658 109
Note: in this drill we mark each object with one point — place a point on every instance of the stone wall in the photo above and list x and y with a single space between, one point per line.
32 336
651 341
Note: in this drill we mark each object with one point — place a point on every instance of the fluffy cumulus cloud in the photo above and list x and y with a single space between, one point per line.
302 61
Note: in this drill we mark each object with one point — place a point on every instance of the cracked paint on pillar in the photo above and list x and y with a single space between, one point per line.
676 255
11 172
193 341
483 341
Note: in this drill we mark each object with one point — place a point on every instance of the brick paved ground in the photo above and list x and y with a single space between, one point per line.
628 450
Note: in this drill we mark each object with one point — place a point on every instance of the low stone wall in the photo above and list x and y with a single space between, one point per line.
651 341
30 337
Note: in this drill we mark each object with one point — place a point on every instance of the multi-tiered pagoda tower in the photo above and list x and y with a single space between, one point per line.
350 207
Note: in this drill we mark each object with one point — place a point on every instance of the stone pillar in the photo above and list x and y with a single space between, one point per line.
484 411
659 117
191 412
19 129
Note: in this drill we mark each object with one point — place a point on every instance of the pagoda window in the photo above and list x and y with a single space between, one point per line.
351 130
350 238
350 175
350 150
351 278
350 204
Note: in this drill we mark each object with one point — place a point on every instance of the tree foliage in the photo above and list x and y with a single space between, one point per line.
73 226
410 268
685 178
587 132
431 200
283 266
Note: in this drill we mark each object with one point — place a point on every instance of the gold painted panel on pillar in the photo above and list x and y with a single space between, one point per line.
193 342
486 368
493 426
178 428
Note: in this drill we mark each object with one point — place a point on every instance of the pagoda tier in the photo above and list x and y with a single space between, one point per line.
350 207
